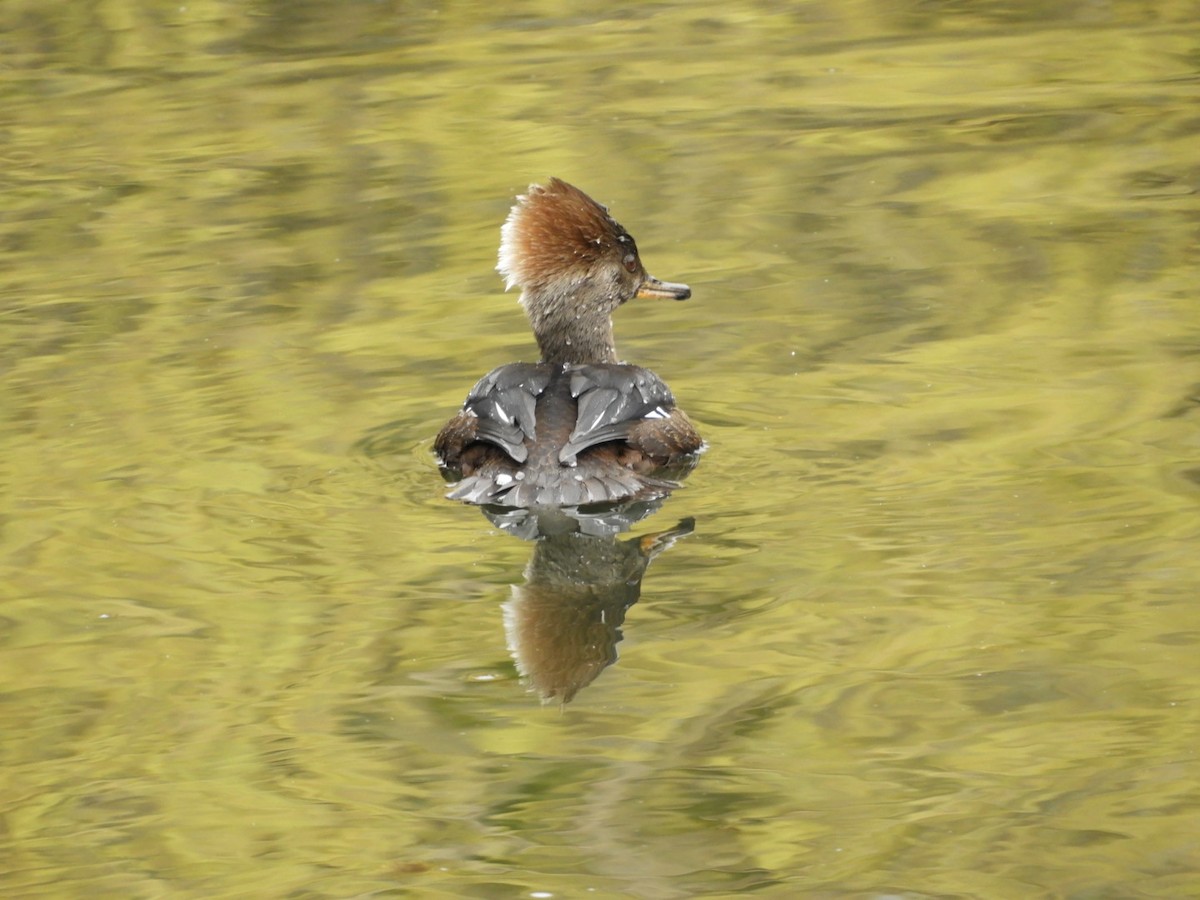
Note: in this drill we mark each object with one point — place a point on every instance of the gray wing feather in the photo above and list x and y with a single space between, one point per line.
504 401
611 400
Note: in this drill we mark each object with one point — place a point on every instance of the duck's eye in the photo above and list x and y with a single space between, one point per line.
630 262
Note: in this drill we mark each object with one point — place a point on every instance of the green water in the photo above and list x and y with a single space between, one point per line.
935 633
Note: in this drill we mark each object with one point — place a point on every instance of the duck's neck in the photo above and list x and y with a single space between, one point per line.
571 333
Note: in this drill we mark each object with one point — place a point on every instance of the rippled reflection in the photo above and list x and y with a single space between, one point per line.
564 623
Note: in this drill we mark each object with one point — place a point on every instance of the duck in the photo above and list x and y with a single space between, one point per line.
579 427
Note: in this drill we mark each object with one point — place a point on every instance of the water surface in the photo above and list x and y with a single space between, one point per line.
935 631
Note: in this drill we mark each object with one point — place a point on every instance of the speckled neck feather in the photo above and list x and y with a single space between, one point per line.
575 265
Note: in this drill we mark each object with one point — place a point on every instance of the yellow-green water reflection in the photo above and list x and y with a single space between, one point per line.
935 632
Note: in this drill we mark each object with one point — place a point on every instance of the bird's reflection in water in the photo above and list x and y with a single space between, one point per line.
564 623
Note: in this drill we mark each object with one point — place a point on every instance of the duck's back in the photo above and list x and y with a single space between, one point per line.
536 434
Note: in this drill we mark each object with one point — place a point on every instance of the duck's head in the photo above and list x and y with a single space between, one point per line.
575 265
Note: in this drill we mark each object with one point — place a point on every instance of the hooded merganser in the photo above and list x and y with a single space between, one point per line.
579 427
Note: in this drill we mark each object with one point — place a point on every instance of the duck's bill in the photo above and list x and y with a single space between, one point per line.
654 289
